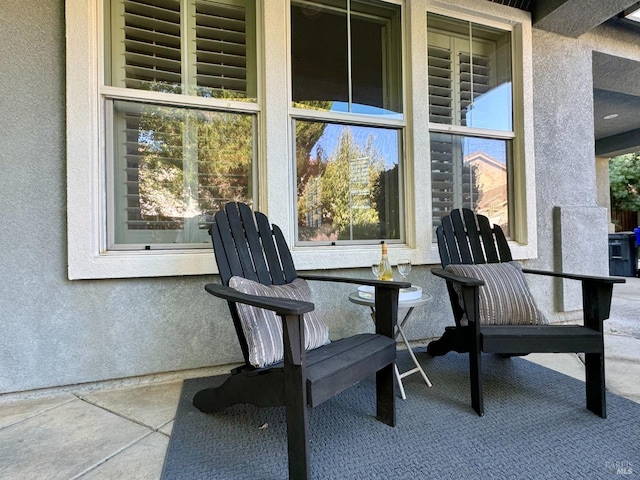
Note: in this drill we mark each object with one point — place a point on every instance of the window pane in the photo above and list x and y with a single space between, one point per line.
319 55
348 182
469 74
206 48
470 172
225 45
346 56
173 168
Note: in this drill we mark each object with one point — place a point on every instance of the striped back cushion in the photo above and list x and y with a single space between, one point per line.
505 298
263 328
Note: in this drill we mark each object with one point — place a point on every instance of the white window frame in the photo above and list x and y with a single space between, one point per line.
87 179
308 256
192 235
86 199
522 208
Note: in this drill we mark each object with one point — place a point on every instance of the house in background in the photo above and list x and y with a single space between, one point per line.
491 180
126 123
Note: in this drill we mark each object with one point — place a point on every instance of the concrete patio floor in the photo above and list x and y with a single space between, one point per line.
122 433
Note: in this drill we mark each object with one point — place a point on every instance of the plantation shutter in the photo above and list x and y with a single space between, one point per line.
441 110
456 78
207 58
474 81
440 85
152 45
442 175
193 47
221 48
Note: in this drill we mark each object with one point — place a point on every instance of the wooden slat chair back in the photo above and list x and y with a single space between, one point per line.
469 239
464 238
247 245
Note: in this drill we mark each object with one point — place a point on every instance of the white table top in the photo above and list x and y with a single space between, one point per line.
354 297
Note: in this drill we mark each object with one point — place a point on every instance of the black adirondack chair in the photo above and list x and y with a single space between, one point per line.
466 238
247 245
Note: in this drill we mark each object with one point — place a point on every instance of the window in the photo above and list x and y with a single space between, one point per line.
348 121
470 118
174 168
174 153
328 115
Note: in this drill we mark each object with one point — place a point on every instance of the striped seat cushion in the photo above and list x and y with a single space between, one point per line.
263 328
505 298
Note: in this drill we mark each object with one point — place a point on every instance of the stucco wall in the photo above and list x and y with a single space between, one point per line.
53 331
57 332
572 222
565 168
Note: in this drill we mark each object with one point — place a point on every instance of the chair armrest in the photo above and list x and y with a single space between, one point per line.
469 295
281 306
462 281
357 281
386 299
596 295
575 276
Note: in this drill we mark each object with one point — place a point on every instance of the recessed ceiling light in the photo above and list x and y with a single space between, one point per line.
635 16
610 117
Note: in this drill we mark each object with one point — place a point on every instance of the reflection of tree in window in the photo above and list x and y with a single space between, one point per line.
345 195
184 163
307 136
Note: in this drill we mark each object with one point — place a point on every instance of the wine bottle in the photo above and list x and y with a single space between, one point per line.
384 269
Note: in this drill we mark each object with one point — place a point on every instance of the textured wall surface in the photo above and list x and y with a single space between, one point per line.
53 331
564 146
566 178
57 332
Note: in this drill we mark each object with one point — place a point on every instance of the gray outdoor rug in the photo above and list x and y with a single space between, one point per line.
535 426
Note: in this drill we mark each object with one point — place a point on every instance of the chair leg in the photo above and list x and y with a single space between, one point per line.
472 307
297 414
475 374
295 393
386 395
595 384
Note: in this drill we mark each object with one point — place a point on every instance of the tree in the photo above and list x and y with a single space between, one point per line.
190 162
347 187
336 200
308 133
624 182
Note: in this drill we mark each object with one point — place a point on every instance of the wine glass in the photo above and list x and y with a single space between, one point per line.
404 267
375 268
